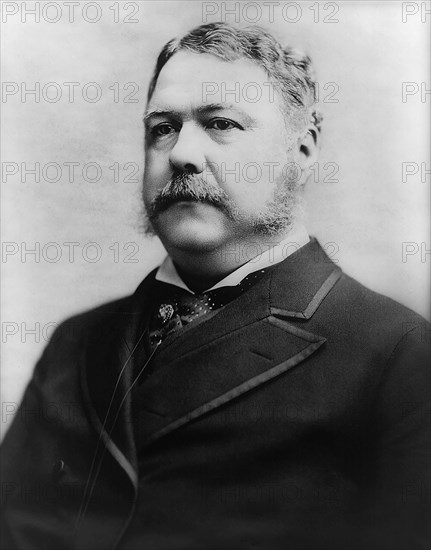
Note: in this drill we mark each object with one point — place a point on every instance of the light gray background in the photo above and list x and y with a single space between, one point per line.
369 133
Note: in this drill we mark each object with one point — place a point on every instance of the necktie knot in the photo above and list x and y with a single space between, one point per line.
178 307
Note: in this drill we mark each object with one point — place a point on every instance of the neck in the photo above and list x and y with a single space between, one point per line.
203 269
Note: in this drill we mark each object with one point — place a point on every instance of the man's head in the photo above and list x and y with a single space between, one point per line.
231 129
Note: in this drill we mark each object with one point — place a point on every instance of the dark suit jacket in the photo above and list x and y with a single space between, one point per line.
296 417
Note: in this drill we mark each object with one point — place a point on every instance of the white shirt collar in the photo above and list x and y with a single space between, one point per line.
296 238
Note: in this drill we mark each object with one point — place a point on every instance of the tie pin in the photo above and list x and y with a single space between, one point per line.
165 312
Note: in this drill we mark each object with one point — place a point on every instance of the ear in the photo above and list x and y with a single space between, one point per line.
308 146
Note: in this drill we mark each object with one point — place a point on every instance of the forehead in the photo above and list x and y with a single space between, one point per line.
189 80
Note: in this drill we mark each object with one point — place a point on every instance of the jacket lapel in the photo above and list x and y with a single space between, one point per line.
107 372
250 342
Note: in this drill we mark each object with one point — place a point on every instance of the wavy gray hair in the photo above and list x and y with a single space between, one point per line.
290 71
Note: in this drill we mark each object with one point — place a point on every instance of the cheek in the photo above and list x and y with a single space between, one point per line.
156 163
249 179
156 173
251 195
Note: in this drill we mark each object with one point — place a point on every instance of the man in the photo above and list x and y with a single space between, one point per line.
249 394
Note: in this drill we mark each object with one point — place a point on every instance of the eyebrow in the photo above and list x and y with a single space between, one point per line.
202 110
159 112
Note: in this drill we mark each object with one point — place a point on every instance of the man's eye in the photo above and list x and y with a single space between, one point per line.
162 130
222 124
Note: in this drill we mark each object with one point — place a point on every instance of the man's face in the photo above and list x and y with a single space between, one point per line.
203 121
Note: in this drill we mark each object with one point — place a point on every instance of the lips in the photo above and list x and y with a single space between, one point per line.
170 201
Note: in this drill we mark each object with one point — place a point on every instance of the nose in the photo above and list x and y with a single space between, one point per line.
187 155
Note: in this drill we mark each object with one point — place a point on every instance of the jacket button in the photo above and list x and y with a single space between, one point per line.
58 469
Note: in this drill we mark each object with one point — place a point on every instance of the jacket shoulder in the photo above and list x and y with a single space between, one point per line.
371 303
89 320
374 317
93 320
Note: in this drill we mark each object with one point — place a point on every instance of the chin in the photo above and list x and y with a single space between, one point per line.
195 233
192 241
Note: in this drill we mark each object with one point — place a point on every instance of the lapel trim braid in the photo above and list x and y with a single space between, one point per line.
315 302
106 373
315 343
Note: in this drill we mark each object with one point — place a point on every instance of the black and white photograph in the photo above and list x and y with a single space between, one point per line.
215 261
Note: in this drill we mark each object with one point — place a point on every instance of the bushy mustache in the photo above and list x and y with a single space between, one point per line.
273 219
190 187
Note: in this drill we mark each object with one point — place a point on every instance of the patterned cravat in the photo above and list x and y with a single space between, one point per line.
178 308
